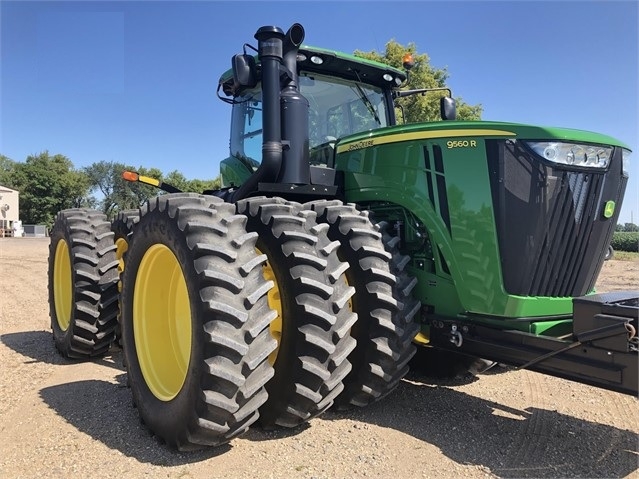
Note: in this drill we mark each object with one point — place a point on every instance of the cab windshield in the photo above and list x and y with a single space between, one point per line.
337 108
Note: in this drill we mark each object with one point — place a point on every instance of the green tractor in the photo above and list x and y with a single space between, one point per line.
339 244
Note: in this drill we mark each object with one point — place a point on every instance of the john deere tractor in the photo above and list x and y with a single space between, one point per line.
340 242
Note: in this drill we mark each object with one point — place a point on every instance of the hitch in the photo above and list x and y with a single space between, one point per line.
601 351
455 336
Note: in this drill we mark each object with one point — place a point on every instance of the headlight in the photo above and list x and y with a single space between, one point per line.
625 165
573 154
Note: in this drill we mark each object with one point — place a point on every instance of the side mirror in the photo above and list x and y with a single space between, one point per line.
244 72
447 108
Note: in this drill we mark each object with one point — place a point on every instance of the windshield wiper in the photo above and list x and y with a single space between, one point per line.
366 100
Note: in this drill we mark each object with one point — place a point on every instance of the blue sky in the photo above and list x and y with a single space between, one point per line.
134 82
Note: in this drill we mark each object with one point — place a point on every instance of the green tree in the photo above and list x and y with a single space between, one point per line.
105 178
178 180
7 166
141 192
626 227
117 194
419 108
204 185
48 184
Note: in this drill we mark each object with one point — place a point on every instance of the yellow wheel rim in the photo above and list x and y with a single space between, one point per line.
162 322
62 285
275 303
121 246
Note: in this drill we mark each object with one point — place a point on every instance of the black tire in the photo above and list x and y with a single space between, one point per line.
311 360
206 385
383 302
83 284
122 226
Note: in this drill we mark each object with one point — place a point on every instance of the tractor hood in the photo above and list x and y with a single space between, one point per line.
469 129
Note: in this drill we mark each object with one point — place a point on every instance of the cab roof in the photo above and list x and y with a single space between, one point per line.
337 64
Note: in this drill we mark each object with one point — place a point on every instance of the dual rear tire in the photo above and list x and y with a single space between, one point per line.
224 317
314 318
383 301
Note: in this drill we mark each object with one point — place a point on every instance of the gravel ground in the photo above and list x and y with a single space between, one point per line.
64 419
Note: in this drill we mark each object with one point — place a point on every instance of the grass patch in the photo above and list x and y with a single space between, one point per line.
626 256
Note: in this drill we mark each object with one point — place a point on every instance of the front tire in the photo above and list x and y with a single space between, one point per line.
383 302
314 319
195 321
83 276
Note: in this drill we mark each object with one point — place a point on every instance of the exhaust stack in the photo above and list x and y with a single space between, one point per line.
294 114
284 112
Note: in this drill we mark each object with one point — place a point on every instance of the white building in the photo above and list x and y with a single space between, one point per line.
9 210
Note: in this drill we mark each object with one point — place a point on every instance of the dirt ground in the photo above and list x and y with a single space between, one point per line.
71 419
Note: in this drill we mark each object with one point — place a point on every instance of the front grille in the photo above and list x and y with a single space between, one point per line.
550 224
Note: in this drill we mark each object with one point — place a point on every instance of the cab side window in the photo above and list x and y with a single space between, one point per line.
246 137
337 108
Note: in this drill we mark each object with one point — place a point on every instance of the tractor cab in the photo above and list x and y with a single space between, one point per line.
337 108
346 96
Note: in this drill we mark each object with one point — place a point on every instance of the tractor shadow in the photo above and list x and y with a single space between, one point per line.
116 423
40 348
512 443
104 411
